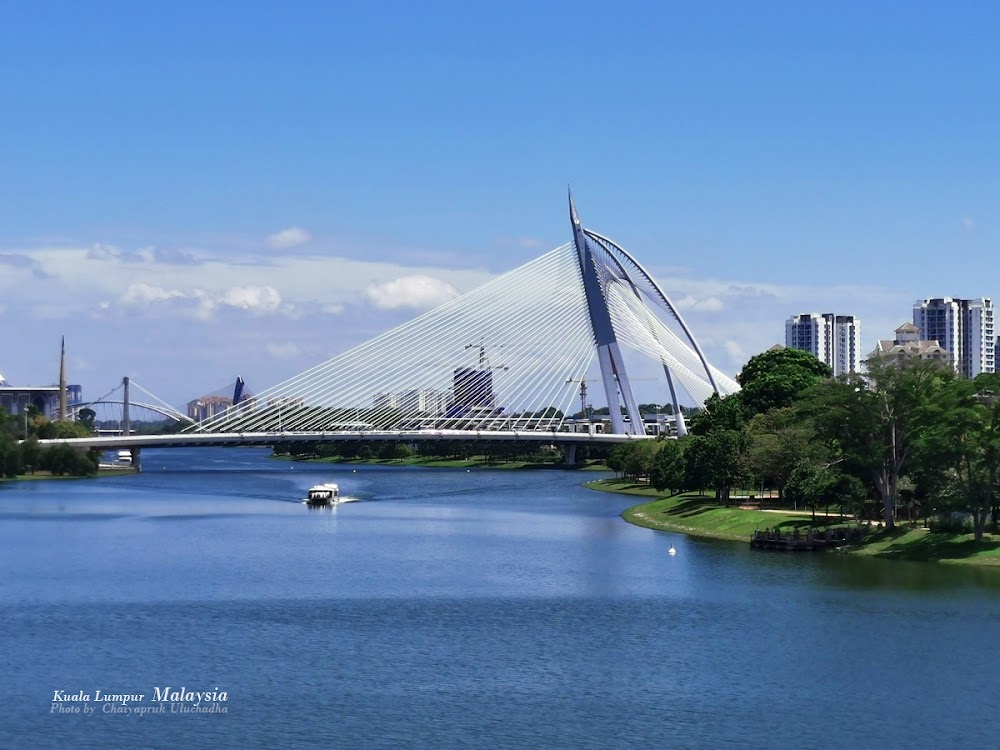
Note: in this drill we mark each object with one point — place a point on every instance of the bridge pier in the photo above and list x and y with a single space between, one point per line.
126 424
134 458
570 454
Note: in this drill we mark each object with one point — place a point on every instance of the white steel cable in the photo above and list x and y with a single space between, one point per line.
387 364
502 354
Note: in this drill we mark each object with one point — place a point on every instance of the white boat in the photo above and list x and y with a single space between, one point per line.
323 494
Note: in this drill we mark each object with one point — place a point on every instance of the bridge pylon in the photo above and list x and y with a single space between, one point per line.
609 355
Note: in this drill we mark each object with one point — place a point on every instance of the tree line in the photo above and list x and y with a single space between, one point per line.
498 451
907 438
29 456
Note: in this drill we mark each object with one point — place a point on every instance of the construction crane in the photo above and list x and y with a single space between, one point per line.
583 393
483 362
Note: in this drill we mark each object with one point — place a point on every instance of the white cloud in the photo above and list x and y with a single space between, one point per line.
420 292
144 295
703 304
526 243
735 351
531 243
968 223
289 238
283 350
100 251
257 299
100 280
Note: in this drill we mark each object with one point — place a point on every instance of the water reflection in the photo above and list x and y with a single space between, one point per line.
858 572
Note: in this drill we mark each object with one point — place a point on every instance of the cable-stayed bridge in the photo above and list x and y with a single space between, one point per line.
505 361
117 409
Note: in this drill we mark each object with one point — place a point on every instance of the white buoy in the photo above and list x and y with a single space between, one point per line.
672 551
354 471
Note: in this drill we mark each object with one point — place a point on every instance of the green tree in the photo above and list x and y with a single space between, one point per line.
349 448
616 461
9 456
810 485
964 448
988 394
780 439
59 459
717 460
849 493
327 450
549 412
716 451
87 417
876 423
778 377
30 453
47 430
639 458
12 463
719 414
668 471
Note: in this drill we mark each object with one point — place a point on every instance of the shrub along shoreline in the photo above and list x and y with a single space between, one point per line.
701 515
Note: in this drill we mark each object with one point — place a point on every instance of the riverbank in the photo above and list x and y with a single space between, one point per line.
473 462
45 475
36 476
699 515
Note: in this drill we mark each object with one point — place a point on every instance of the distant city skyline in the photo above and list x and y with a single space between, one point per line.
963 327
832 338
960 332
189 195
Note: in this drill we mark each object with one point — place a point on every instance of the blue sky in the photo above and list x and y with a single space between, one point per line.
194 190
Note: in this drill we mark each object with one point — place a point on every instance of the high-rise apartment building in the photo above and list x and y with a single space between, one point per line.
962 326
834 339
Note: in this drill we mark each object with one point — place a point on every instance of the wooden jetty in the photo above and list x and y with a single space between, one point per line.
796 541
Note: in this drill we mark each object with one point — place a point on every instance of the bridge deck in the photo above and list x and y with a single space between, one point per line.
273 438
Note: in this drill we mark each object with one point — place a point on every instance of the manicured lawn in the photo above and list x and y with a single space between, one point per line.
700 515
924 545
36 475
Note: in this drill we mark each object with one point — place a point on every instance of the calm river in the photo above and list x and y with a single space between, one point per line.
454 609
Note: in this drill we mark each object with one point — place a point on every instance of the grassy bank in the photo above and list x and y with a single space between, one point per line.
33 477
46 475
699 515
473 462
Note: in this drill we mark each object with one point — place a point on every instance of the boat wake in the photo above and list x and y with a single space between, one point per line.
339 501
